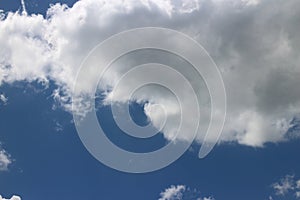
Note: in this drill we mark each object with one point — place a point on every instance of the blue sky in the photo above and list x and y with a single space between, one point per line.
48 160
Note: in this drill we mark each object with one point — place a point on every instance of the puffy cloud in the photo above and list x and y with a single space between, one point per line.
172 193
5 160
254 43
14 197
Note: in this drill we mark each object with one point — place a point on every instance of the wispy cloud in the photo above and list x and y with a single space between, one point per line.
24 11
287 186
182 192
3 99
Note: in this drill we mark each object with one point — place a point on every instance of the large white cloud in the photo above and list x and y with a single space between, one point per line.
255 44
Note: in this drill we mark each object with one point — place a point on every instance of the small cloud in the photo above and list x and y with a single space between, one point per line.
14 197
270 198
287 186
181 192
24 11
3 99
206 198
58 127
172 193
298 184
5 160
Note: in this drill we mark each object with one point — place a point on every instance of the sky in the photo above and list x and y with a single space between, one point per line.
253 43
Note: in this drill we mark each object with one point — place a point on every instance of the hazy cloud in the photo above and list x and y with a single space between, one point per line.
287 186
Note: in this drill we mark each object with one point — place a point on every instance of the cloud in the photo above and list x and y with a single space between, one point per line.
24 11
254 43
287 186
206 198
172 193
5 160
181 192
12 198
3 99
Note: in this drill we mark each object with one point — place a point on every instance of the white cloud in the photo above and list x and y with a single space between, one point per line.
14 197
255 44
5 160
208 198
287 186
23 7
3 99
181 192
173 193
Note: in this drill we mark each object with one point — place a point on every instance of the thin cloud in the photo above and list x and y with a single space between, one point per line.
3 99
287 186
182 192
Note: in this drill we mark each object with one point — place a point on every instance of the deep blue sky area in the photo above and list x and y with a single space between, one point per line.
50 162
